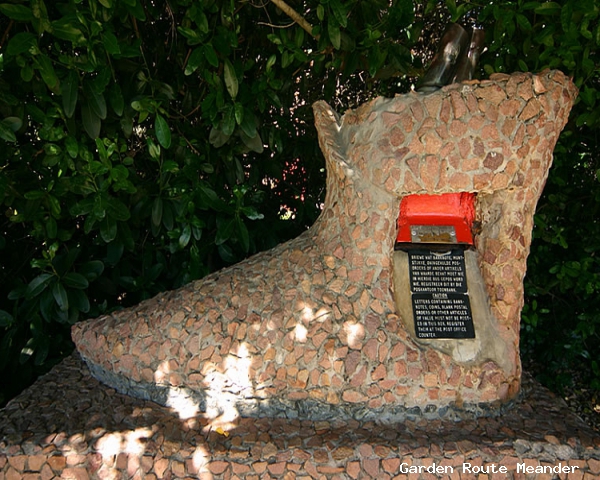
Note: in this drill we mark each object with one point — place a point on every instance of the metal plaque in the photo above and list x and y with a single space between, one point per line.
433 234
440 300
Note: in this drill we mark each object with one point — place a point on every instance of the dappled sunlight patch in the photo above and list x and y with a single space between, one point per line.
161 376
309 314
301 333
130 442
183 404
111 446
355 333
200 459
226 384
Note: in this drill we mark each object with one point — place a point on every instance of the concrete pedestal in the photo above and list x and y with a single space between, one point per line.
68 425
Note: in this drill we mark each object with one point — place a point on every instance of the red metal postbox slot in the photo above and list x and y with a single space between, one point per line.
445 218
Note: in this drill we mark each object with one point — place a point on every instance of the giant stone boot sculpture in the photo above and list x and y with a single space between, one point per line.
314 328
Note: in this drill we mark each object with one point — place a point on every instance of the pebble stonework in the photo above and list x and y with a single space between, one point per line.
319 326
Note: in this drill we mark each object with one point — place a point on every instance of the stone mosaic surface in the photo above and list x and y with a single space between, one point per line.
69 426
310 329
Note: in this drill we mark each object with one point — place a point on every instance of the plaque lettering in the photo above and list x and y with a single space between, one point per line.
440 299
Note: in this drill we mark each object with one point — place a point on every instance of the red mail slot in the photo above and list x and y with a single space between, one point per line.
446 218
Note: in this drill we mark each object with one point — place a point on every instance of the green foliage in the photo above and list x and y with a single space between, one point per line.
144 144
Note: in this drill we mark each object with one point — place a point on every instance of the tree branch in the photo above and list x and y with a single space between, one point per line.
295 16
6 32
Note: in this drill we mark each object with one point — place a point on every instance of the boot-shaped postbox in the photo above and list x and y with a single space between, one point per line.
436 266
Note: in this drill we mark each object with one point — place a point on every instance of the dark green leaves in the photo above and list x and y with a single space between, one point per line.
6 319
163 133
92 270
339 12
16 12
401 13
157 211
7 134
524 23
111 43
91 121
40 21
60 295
8 127
566 14
211 55
108 229
117 102
22 42
70 91
254 143
548 8
67 29
37 285
95 99
231 81
116 209
195 60
224 231
193 37
185 236
217 137
333 29
243 234
93 106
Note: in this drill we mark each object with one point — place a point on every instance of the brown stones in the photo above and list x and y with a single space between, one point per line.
458 105
494 94
531 110
446 111
478 147
538 85
493 160
397 137
433 105
458 128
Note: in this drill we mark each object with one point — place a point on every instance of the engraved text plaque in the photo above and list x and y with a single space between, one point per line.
440 299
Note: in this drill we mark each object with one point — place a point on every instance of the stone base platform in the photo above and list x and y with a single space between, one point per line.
67 425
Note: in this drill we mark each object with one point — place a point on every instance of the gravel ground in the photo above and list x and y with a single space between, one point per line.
67 425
